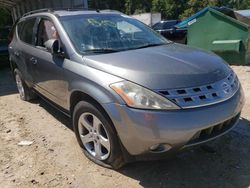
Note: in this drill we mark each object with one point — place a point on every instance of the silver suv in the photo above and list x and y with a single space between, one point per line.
131 93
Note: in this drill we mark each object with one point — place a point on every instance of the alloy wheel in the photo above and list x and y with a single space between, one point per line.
94 136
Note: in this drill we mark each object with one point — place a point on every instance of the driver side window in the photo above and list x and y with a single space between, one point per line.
46 31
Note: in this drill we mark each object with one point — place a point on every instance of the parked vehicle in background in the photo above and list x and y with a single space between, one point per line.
131 93
169 31
4 32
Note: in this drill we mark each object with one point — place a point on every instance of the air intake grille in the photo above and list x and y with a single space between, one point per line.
204 95
214 131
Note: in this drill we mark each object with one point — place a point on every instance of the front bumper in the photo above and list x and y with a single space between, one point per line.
138 129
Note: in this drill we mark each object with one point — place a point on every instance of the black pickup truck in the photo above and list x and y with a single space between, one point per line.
169 31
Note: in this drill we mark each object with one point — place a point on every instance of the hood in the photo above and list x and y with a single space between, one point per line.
163 67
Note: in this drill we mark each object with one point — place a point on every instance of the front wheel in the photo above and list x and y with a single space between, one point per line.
96 135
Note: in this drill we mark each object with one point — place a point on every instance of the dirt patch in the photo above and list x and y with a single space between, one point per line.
54 158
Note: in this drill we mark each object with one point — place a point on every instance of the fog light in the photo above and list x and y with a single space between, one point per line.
160 148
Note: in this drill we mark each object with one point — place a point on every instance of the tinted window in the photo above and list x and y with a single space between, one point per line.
25 30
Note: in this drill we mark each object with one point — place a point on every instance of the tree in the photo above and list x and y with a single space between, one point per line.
137 6
128 4
237 4
194 6
107 4
170 9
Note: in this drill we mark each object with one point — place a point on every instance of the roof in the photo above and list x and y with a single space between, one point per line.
70 12
82 12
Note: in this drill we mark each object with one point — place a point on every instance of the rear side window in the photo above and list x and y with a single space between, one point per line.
25 30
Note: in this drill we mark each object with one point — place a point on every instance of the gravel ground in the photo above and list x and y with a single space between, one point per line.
54 159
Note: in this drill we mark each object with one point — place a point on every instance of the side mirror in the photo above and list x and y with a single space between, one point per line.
52 46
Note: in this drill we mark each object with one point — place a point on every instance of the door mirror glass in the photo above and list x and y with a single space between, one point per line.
48 38
52 45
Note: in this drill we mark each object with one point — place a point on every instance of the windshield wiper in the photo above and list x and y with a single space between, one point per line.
149 45
101 50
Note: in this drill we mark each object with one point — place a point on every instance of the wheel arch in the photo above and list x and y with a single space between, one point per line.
77 96
86 89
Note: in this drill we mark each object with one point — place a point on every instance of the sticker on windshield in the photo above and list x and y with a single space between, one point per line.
99 23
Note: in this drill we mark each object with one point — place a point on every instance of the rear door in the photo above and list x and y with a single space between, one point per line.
23 48
48 68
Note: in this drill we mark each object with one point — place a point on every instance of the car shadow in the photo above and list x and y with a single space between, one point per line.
7 83
61 117
8 87
224 162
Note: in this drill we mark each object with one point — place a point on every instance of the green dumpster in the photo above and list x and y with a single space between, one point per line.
222 31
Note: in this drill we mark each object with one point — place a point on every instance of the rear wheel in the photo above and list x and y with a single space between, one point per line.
25 92
96 135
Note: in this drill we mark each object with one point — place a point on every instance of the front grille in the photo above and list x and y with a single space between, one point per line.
204 95
211 132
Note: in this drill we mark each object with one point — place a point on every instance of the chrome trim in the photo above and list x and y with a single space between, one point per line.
204 95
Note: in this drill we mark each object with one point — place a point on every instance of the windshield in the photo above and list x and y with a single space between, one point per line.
106 33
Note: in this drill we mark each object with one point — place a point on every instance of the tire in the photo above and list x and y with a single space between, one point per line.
94 130
25 92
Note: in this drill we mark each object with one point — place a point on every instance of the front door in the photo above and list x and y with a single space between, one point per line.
48 68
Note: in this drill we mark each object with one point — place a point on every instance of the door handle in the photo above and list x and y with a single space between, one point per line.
33 60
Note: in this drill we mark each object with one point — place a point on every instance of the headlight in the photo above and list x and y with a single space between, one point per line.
138 97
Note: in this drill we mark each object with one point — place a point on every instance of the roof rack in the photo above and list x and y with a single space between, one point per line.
37 11
110 10
55 9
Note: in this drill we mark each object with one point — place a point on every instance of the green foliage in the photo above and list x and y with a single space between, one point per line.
137 6
193 6
170 9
